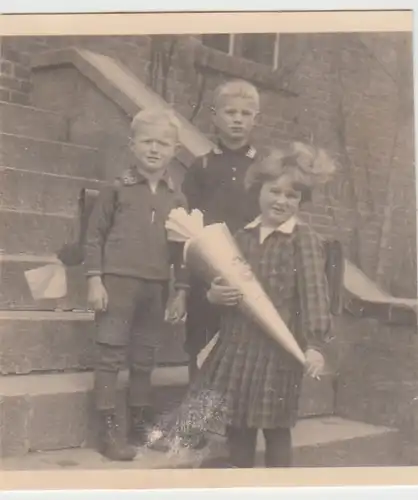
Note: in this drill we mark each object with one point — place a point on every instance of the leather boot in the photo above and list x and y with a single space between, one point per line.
142 422
112 444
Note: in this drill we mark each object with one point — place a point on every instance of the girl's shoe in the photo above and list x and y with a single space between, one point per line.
112 444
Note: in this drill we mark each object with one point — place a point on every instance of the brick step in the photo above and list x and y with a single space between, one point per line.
33 122
34 233
40 341
317 442
15 293
41 192
54 411
41 155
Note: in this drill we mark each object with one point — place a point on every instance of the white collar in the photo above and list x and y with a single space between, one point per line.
251 152
286 227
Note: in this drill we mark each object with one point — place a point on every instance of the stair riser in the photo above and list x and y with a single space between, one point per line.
51 157
392 406
23 190
33 233
32 122
62 421
15 293
379 374
39 346
34 346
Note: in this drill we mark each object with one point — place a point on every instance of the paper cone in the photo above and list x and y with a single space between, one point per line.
47 282
212 253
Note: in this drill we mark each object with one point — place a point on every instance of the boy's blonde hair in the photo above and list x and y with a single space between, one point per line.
307 167
236 88
154 117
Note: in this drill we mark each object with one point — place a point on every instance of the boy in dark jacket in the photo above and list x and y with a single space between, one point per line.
128 262
214 184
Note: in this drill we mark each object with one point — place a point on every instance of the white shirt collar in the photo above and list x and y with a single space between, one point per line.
251 152
285 228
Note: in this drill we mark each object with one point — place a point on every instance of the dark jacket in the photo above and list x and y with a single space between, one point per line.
126 234
214 184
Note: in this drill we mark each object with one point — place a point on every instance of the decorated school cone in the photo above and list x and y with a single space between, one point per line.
212 252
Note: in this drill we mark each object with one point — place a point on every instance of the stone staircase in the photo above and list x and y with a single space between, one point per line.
40 178
46 347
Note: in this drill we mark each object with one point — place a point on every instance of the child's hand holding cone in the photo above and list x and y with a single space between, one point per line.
222 294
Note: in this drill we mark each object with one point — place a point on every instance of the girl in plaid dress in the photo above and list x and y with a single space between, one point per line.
258 381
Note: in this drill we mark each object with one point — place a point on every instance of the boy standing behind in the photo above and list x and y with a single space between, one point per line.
214 184
127 264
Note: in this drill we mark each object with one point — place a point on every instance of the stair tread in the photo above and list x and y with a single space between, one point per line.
50 154
50 175
30 107
51 141
28 257
24 211
33 121
312 432
37 315
66 383
25 189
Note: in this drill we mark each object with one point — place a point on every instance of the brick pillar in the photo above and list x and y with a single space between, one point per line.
15 74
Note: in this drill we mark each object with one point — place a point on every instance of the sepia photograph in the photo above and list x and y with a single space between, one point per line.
208 252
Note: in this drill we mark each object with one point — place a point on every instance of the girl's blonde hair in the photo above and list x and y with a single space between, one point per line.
307 167
236 88
155 117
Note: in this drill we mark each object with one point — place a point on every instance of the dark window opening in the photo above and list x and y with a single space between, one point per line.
259 47
219 42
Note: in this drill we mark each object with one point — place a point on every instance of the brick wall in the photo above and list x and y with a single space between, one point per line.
15 85
350 93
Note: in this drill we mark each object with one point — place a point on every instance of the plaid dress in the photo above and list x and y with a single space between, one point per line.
257 381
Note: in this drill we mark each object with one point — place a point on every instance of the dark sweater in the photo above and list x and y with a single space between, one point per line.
126 234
